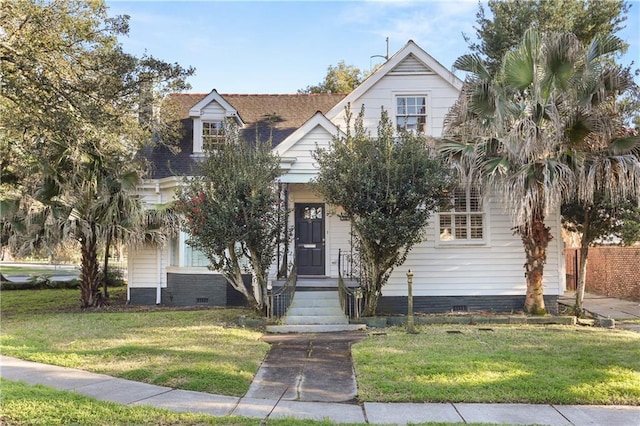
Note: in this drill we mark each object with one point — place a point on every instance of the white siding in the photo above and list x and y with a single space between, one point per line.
302 151
440 96
213 111
496 268
158 191
143 267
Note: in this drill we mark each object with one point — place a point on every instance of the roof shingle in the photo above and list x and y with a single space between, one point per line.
264 115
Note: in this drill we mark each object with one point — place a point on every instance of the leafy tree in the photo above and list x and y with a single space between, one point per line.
600 220
341 78
231 212
509 20
543 130
388 186
75 111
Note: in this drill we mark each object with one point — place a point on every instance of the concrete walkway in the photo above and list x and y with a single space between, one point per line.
608 307
310 376
131 393
310 367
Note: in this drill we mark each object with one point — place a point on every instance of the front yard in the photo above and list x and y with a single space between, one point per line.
204 350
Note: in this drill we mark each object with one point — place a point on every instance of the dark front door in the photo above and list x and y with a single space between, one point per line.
310 239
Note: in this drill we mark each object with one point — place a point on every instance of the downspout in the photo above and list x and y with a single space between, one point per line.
159 256
279 229
283 272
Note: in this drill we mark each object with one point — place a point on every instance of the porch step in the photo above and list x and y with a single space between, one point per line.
315 308
318 328
324 282
314 311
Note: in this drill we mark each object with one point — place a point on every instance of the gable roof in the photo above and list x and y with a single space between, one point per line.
410 59
318 119
263 115
261 111
198 109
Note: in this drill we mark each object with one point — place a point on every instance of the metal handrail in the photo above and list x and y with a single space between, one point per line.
351 298
280 299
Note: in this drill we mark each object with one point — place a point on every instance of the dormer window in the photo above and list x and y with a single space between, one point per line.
411 113
213 135
210 117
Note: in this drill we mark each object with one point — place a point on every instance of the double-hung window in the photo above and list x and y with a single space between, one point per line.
213 134
464 221
411 113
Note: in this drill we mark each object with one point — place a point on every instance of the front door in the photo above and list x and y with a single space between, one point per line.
310 238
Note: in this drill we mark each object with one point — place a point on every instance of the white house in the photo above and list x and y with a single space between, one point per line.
471 260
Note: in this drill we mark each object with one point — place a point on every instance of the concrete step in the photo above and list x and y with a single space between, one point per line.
304 295
315 311
320 303
323 282
317 319
315 328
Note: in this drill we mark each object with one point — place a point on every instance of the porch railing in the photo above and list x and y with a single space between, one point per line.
281 298
351 297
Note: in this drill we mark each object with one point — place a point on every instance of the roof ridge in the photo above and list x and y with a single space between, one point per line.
262 94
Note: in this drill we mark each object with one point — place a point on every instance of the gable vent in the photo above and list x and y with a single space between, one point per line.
411 65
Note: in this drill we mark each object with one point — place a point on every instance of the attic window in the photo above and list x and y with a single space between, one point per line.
213 135
411 113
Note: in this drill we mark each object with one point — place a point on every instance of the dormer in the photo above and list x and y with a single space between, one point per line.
209 117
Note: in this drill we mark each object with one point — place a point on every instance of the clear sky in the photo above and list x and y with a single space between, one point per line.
283 46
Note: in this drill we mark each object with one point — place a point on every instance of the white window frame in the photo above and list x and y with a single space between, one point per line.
206 130
462 216
410 109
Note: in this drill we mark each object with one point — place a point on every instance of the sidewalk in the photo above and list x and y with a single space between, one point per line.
128 392
607 307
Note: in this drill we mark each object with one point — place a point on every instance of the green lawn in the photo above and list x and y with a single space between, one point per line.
22 404
204 350
197 350
527 364
37 270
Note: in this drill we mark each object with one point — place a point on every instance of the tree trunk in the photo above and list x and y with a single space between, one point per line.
105 268
370 302
582 273
535 241
89 293
235 279
582 277
372 289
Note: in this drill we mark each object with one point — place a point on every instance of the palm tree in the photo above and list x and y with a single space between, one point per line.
529 132
608 181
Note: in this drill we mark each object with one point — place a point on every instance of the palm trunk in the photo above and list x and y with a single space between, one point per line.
535 241
105 278
89 273
584 253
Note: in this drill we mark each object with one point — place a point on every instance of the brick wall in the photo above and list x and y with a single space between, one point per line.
611 271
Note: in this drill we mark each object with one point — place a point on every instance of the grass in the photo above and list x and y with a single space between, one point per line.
203 350
509 364
37 270
23 303
198 350
39 405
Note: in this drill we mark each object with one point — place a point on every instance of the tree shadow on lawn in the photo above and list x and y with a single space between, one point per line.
483 368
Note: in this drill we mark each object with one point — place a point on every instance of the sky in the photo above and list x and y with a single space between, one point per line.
283 46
